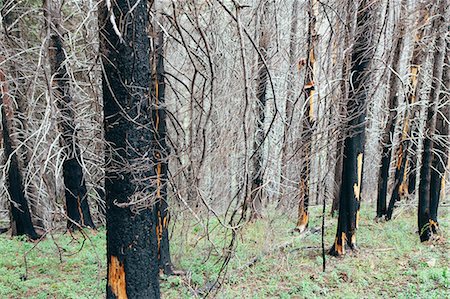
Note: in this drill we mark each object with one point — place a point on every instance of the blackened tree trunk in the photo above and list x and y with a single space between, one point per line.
21 223
131 179
418 57
441 148
308 124
341 111
256 195
386 138
161 156
14 40
425 221
77 206
350 194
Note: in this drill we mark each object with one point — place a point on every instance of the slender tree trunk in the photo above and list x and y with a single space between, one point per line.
21 223
161 155
351 188
425 220
441 148
289 109
386 137
417 60
77 206
131 180
308 124
257 186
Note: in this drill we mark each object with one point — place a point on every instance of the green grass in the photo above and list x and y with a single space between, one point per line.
391 262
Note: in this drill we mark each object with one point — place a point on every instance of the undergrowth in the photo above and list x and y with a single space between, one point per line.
268 262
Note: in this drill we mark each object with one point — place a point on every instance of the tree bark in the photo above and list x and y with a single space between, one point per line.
351 188
425 220
77 206
131 180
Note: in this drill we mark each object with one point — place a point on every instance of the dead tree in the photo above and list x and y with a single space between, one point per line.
441 145
21 223
308 122
131 180
426 224
77 206
387 135
161 152
351 187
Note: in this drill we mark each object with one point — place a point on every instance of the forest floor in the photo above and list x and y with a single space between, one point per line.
268 262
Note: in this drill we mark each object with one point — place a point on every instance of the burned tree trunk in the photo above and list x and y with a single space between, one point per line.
350 194
256 195
131 180
441 147
417 60
21 223
425 221
77 206
341 111
386 138
308 123
17 88
161 156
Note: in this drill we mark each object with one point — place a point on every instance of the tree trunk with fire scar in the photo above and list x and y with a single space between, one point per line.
441 147
351 187
308 123
130 176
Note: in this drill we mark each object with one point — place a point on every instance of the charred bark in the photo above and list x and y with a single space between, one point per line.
350 193
77 206
161 157
387 135
425 222
131 179
21 223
